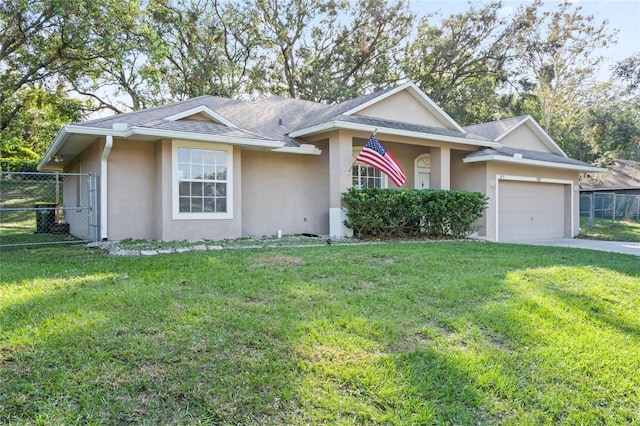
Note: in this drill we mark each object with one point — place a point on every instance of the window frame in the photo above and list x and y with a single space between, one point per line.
384 179
175 181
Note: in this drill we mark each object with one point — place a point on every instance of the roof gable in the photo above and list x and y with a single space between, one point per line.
201 113
519 132
406 103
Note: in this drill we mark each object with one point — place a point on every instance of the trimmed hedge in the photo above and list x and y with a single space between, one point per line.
388 213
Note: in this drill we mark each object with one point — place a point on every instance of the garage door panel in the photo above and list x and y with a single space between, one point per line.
531 211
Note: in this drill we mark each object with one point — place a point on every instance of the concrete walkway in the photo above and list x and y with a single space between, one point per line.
610 246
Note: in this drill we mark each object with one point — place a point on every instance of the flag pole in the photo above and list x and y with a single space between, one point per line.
355 161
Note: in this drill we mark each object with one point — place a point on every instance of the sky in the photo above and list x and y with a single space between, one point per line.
623 15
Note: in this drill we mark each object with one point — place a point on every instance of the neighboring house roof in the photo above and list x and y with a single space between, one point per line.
498 130
531 158
621 175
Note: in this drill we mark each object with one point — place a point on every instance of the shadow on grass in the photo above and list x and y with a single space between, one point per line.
449 333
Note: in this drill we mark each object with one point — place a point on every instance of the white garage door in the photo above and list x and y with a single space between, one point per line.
530 211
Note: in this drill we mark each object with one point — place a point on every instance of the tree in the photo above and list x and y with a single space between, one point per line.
207 47
329 50
463 61
611 131
38 41
42 113
627 72
557 60
285 25
360 54
117 73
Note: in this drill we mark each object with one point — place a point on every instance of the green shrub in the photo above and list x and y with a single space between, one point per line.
386 213
18 165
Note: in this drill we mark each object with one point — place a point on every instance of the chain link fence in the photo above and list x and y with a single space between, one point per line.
610 206
47 208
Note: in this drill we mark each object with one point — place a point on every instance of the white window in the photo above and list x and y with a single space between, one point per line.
365 176
202 181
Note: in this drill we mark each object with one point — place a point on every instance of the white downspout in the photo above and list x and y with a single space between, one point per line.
103 186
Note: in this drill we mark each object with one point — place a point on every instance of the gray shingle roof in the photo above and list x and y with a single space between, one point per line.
273 118
270 118
401 125
152 116
205 128
529 155
494 129
620 174
255 119
331 112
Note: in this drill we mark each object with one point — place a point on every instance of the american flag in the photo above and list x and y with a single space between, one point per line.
375 155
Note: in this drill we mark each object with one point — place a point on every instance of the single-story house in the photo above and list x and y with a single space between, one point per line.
216 168
622 177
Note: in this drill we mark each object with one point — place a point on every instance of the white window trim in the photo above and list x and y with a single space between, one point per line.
175 203
384 179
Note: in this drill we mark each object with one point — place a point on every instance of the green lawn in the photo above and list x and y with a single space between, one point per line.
407 333
605 229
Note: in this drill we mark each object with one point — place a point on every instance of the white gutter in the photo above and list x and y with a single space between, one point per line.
537 163
121 132
103 186
302 149
335 125
172 134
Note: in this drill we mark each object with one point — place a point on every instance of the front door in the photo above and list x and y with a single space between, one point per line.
423 172
423 180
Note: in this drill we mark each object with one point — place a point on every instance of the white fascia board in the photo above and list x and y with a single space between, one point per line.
549 142
344 125
537 163
57 141
172 134
311 150
69 129
424 98
98 131
201 110
419 95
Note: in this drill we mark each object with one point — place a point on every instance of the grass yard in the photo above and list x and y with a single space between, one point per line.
604 229
413 333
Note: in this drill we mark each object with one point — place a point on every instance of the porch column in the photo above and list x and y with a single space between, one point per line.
340 160
441 168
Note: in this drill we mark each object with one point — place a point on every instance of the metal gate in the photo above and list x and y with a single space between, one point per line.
48 208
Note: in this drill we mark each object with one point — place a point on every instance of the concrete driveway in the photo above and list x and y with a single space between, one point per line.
610 246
